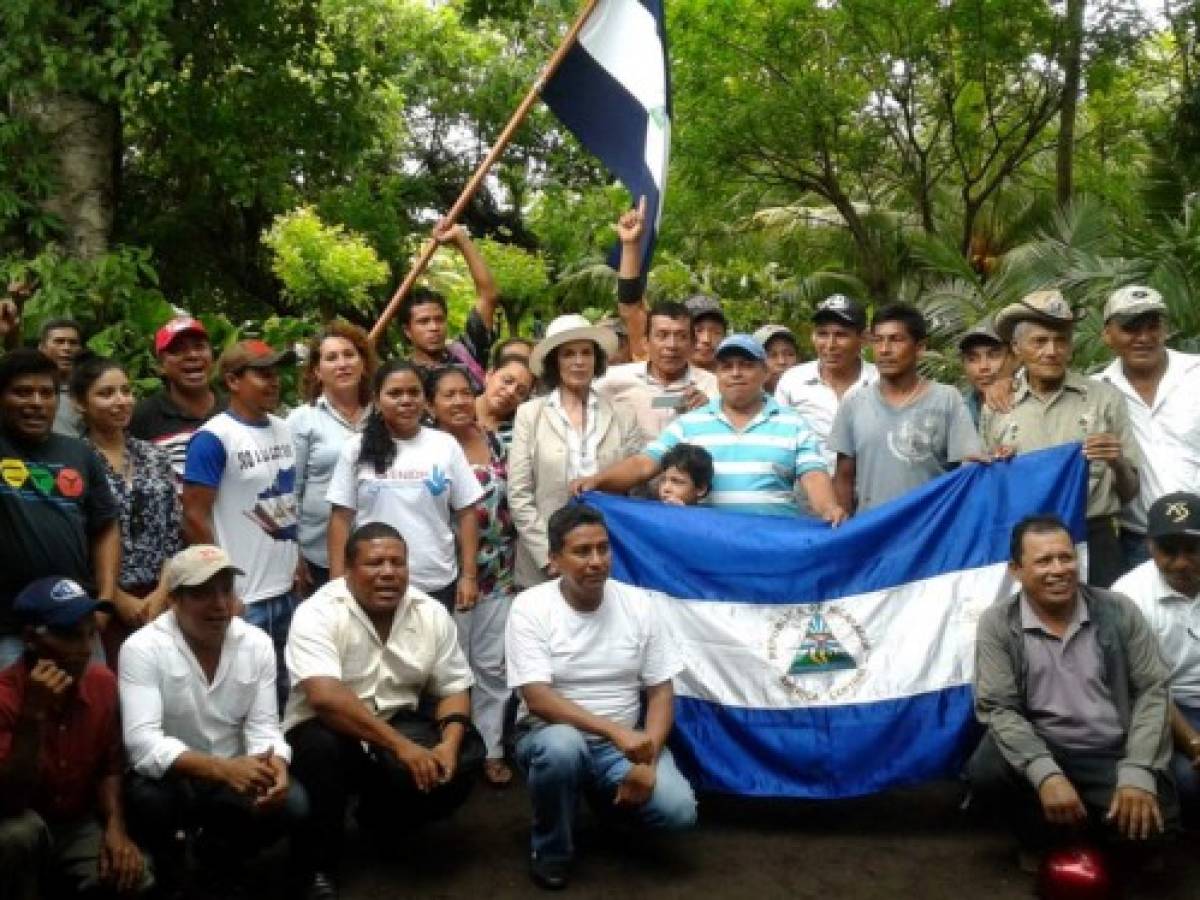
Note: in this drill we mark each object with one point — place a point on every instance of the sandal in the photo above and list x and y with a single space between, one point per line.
497 773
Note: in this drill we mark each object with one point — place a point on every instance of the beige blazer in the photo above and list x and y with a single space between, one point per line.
537 473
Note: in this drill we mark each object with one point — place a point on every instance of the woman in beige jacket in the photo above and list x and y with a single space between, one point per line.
567 434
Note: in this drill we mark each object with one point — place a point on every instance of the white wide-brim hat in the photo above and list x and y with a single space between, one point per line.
563 330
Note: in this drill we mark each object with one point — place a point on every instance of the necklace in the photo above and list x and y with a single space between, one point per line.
910 396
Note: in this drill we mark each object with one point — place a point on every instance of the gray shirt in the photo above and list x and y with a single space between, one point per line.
318 433
897 449
67 420
1069 704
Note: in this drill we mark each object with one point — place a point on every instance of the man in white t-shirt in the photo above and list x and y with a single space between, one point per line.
363 653
239 493
1166 588
581 650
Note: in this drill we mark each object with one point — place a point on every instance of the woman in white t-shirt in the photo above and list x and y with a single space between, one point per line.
416 479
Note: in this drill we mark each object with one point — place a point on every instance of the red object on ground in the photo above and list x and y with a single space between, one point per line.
1077 873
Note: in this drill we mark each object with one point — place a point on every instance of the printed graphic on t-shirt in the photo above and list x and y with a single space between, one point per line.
37 482
917 438
276 512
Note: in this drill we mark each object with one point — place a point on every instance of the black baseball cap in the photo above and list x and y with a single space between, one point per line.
1172 514
840 308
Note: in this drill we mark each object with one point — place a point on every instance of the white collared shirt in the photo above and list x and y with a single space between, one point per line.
331 637
1167 433
582 447
632 386
802 388
168 705
1175 621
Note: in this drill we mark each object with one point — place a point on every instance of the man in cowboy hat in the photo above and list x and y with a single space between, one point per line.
1052 405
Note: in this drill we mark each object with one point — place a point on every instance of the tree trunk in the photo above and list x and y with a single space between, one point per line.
83 136
1072 66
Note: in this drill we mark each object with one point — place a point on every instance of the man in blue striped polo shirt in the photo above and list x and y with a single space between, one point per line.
760 449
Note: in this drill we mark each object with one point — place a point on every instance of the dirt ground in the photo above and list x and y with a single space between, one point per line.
911 844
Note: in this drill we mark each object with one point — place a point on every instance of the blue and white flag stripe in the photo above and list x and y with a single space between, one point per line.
613 92
825 663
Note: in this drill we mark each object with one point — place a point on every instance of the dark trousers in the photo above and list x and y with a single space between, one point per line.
1001 790
1106 559
334 766
227 826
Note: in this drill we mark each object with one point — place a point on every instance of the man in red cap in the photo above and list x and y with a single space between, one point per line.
239 489
62 818
187 400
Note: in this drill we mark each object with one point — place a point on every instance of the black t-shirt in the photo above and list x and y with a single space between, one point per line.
53 499
158 420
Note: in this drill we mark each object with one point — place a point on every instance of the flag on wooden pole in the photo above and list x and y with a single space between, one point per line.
613 92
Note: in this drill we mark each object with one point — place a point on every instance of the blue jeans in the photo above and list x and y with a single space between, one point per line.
274 616
560 764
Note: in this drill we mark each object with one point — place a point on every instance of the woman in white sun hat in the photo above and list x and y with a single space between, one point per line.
566 434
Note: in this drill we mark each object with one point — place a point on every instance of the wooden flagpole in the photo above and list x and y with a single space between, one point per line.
481 172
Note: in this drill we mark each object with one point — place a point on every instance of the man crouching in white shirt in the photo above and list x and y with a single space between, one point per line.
1166 588
581 650
201 724
364 652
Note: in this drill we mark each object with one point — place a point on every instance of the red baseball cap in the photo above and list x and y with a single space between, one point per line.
165 336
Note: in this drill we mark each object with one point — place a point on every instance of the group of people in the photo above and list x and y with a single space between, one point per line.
219 626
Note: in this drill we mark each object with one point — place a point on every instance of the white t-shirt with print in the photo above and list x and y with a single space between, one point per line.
251 465
428 481
600 660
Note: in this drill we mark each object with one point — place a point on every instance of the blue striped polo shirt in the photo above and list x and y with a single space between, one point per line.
755 469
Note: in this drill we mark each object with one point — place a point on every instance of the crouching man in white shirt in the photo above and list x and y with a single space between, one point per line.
364 654
581 650
201 725
1166 588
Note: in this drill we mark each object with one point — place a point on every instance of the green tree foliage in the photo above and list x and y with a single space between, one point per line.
323 266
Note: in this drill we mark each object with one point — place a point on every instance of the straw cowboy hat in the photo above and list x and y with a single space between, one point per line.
563 330
1046 307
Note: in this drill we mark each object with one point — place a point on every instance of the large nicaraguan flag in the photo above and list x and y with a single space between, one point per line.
826 663
613 92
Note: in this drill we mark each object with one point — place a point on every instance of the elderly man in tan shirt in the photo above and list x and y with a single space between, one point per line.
1052 405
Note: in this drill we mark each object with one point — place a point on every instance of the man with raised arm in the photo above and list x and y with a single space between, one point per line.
423 315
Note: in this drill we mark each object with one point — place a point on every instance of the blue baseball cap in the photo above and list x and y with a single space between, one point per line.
56 603
742 343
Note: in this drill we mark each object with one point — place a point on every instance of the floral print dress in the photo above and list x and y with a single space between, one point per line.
150 512
497 535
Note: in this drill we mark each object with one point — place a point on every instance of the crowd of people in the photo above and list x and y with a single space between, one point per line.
220 626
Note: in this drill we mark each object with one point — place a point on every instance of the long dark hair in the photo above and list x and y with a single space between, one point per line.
378 447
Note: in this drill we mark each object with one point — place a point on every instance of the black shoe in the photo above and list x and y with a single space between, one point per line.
549 875
322 887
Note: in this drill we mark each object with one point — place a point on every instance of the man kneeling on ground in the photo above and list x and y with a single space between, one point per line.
581 649
62 820
201 722
1073 692
363 653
